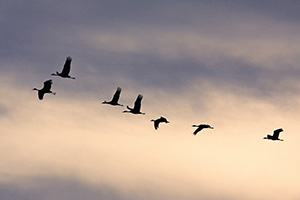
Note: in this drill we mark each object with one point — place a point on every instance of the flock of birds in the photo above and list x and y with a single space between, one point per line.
65 73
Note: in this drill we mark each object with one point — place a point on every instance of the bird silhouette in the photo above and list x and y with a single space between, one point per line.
137 106
45 89
275 135
115 98
200 127
158 121
66 70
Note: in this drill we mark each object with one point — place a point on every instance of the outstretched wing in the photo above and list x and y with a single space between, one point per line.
137 103
276 133
156 124
67 66
205 126
197 130
41 95
116 96
47 86
162 119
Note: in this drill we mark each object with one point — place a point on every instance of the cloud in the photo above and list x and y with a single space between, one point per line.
233 65
3 111
57 188
70 188
94 149
111 45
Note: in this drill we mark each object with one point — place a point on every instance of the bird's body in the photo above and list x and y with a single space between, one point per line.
200 127
158 121
115 98
137 106
275 135
66 69
45 89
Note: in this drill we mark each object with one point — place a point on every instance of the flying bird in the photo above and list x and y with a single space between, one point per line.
66 70
137 106
115 98
158 121
45 89
200 127
275 135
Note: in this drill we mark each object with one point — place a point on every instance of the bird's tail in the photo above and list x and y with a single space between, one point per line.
126 111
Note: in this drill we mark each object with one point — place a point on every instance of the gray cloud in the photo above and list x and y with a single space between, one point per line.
247 48
3 110
49 188
70 188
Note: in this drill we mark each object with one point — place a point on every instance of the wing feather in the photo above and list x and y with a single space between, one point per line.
116 96
67 67
276 133
47 86
137 103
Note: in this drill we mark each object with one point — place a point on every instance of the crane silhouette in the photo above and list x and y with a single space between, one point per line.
66 70
158 121
275 135
45 89
137 106
200 127
115 98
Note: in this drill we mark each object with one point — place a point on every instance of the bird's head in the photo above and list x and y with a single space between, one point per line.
69 58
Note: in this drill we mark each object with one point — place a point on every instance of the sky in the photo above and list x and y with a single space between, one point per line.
231 64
